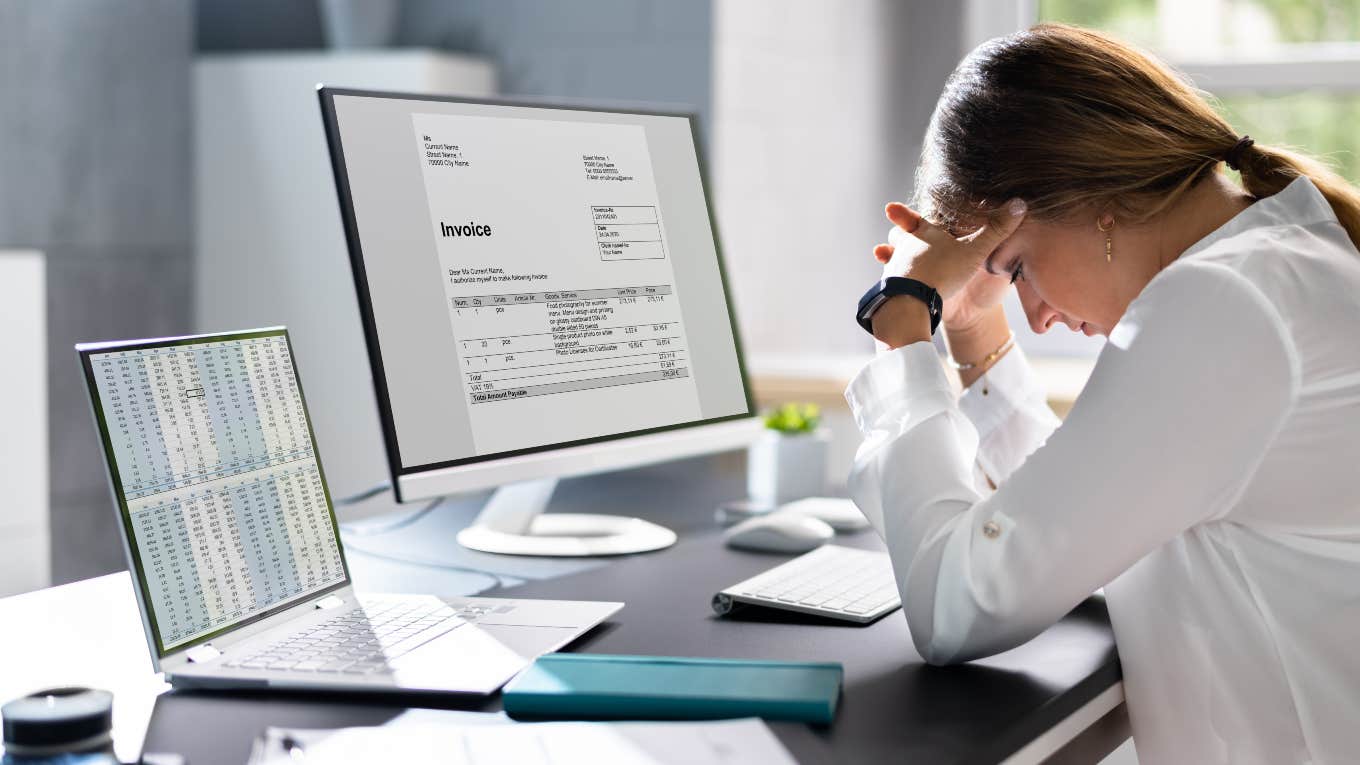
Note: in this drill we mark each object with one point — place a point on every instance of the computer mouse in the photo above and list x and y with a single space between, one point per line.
779 532
840 514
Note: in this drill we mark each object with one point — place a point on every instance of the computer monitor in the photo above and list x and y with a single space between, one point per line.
542 296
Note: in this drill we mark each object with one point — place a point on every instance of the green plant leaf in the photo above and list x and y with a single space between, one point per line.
794 418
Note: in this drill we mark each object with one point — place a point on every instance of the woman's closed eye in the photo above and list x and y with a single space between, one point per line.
1017 272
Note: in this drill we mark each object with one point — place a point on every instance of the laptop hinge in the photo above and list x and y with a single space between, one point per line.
330 601
200 654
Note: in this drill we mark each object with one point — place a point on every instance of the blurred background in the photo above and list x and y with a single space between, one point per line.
163 171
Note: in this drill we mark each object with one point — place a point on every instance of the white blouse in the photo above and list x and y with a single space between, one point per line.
1208 477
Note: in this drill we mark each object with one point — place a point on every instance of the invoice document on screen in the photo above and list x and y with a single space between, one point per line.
561 295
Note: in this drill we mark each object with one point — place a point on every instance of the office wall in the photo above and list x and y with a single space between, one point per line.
633 50
95 169
819 113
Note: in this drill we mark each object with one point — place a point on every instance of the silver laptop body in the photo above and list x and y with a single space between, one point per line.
233 545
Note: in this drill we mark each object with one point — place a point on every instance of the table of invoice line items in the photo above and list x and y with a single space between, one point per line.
541 343
222 488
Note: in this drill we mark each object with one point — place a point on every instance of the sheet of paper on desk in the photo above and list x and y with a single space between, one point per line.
725 742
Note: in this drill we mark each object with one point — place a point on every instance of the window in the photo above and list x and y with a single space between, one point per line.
1287 72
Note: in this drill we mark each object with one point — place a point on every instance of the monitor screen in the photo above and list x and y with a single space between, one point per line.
531 277
224 505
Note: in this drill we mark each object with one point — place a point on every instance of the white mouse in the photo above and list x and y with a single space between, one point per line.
779 532
841 514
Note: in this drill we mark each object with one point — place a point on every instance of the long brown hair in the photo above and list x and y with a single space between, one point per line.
1069 119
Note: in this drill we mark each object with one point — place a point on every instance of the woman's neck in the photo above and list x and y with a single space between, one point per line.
1203 209
1159 242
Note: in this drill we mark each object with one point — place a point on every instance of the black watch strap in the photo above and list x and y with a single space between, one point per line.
899 285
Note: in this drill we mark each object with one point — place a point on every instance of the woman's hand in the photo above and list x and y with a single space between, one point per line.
951 265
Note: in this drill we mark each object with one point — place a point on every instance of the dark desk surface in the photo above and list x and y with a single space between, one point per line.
895 708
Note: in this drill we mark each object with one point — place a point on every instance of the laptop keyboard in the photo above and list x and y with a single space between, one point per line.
361 641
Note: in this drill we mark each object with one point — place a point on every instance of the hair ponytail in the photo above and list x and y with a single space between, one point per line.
1069 119
1266 170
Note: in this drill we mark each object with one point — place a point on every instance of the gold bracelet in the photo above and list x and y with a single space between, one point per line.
989 358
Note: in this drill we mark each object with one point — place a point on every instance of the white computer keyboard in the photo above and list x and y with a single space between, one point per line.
833 581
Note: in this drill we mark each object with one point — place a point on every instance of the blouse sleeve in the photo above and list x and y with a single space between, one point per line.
1009 408
1187 395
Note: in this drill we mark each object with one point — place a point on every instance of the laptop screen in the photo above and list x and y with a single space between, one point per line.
214 467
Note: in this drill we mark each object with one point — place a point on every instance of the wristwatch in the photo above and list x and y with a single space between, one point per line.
898 285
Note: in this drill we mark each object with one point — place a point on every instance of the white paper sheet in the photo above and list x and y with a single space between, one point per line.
726 742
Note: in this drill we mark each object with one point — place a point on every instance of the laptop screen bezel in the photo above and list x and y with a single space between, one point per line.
86 351
334 141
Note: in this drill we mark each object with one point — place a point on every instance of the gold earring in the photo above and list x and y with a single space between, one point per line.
1109 242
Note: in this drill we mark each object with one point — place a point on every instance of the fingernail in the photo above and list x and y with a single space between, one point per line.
1017 206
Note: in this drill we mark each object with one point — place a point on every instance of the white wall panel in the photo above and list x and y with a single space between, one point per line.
24 556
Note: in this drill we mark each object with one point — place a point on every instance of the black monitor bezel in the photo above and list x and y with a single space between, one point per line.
326 96
85 351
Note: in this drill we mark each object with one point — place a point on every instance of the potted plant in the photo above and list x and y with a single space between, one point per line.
788 460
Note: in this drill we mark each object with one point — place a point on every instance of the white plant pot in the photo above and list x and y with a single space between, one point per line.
781 468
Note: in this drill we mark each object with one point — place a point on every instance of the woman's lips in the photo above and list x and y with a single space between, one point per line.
1087 329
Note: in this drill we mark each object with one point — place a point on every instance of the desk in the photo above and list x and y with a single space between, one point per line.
1026 704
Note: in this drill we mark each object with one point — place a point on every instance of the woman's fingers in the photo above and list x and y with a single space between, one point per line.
1002 224
914 223
905 217
933 255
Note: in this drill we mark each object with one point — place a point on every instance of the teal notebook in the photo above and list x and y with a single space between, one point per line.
596 686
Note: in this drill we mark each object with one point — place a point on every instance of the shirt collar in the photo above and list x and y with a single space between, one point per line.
1298 204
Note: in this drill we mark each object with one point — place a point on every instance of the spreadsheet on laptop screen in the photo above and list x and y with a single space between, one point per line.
222 493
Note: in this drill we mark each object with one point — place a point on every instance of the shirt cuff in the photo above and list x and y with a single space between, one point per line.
1008 384
893 380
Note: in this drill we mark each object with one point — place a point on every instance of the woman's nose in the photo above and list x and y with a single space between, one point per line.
1039 313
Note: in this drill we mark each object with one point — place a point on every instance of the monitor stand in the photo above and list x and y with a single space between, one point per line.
513 523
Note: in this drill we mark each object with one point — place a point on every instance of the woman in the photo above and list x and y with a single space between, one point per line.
1206 477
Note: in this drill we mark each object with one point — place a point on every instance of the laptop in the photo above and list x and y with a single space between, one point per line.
234 548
